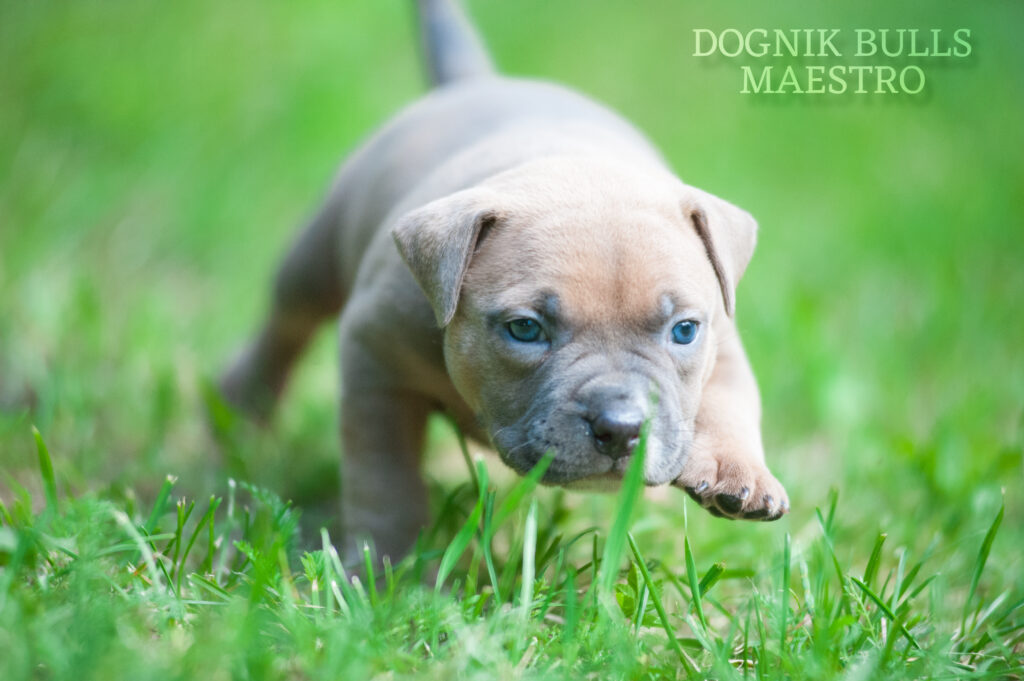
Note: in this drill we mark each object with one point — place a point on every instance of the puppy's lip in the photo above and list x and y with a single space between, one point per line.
602 482
611 479
606 481
621 465
559 474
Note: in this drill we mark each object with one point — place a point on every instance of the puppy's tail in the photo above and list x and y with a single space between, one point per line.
452 47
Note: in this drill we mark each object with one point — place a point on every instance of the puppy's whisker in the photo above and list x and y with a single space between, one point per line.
521 445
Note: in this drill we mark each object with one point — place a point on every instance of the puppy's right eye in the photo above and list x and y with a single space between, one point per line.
524 330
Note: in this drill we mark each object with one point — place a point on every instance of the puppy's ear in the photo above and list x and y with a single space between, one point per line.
728 233
438 240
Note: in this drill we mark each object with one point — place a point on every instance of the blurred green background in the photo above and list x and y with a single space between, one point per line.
156 158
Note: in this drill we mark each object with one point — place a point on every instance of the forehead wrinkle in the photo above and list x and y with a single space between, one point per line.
545 301
618 286
613 268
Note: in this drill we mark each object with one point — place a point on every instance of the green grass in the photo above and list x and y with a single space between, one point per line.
87 592
154 162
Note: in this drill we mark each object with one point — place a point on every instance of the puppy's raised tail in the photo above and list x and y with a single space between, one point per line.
453 49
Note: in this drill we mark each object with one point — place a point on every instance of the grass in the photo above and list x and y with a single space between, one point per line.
153 164
88 587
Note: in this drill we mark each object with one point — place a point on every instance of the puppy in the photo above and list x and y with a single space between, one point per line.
520 257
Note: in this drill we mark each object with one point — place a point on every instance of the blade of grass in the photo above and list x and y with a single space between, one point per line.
673 642
523 487
912 574
334 574
12 570
229 523
916 590
46 470
147 554
128 546
184 512
711 577
510 571
554 585
615 545
465 534
210 586
371 577
805 583
492 571
472 574
211 538
833 501
207 517
464 448
691 575
871 569
5 515
762 640
551 553
590 606
390 581
571 616
160 505
784 601
885 609
979 563
641 607
529 560
493 519
827 537
745 650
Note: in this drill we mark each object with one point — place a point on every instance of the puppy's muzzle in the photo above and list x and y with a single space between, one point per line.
615 409
616 429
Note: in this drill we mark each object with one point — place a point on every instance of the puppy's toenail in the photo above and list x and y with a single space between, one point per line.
702 486
744 493
729 503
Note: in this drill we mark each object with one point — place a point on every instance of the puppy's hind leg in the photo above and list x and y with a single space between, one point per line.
306 292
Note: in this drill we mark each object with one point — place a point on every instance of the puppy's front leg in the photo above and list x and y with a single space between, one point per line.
384 497
726 472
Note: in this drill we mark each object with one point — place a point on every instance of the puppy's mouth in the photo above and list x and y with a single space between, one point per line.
609 481
603 474
580 461
566 473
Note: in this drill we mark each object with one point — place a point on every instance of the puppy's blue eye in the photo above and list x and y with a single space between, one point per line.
685 332
524 330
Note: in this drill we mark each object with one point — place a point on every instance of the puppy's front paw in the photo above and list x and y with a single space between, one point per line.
733 487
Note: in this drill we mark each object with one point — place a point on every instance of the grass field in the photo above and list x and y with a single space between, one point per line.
156 158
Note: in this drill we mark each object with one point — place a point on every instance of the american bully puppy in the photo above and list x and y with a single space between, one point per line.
519 256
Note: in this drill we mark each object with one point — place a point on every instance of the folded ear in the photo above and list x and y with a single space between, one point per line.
728 233
438 240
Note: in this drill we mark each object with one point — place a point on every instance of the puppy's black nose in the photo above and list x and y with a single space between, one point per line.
616 430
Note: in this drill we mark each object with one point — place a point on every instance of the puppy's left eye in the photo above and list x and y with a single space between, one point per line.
524 330
685 332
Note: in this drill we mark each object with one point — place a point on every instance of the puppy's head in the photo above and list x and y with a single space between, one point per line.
579 303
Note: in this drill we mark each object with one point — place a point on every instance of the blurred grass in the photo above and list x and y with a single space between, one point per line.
156 159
